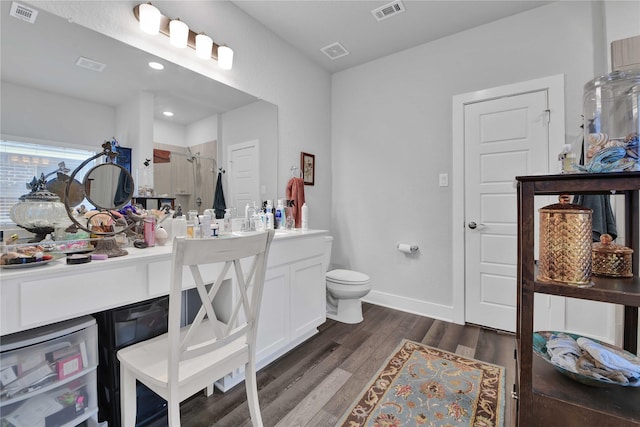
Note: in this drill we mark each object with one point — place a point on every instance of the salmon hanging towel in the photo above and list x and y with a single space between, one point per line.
295 193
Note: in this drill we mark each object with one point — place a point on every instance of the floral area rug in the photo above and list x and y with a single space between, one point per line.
423 386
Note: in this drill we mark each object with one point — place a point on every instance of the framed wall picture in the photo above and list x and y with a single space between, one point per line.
308 166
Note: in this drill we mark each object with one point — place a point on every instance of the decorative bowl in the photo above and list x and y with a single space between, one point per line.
540 339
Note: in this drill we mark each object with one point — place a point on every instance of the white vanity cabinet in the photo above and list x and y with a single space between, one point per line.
293 303
293 300
308 296
273 331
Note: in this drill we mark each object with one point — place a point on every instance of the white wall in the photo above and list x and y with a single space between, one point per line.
165 132
264 66
134 128
199 132
256 121
202 131
392 130
622 20
31 113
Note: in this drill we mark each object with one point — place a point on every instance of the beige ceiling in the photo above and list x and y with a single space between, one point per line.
310 25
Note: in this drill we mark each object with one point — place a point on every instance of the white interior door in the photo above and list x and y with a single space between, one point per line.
503 138
244 174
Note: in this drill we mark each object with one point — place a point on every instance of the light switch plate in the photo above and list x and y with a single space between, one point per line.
444 180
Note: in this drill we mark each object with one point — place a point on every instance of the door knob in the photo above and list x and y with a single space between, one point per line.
472 225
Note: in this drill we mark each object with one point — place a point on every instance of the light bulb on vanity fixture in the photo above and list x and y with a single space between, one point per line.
225 57
149 17
181 36
178 33
204 46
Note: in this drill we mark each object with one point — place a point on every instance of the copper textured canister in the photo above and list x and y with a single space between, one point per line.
565 243
611 259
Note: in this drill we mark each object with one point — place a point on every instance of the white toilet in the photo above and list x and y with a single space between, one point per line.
345 288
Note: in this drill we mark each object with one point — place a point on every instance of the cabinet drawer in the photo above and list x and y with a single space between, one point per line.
68 403
48 374
79 295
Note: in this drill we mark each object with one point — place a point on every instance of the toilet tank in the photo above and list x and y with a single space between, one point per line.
328 240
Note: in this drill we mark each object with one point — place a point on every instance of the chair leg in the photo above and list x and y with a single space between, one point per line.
127 397
174 413
251 385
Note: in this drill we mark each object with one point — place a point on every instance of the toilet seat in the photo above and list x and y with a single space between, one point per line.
347 277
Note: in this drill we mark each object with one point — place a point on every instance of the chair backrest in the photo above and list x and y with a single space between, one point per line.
241 259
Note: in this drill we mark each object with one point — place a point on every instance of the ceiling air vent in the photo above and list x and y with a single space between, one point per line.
388 10
23 12
335 51
90 64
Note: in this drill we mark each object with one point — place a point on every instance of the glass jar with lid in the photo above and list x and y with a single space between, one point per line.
38 212
612 120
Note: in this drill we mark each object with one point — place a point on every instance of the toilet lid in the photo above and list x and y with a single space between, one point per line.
347 276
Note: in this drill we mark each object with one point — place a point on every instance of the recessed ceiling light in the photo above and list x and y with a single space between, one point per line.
156 65
168 113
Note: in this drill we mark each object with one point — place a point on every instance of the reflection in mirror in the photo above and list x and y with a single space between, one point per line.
108 186
188 175
25 160
55 99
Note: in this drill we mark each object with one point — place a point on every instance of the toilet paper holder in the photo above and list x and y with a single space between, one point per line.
407 248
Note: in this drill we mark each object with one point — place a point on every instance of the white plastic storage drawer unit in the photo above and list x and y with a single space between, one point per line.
48 375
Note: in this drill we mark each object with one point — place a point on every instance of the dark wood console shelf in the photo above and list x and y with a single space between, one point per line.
546 397
153 202
616 291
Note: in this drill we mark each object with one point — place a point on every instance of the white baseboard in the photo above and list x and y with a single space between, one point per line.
410 305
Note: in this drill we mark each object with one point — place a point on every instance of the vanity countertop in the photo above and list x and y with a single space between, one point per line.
44 294
134 256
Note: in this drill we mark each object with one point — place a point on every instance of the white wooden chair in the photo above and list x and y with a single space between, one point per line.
185 360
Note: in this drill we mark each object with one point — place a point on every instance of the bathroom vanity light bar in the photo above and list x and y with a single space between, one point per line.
201 43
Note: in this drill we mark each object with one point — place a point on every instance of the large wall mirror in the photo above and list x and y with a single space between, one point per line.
67 85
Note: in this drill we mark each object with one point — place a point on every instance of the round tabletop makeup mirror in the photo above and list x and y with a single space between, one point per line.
108 186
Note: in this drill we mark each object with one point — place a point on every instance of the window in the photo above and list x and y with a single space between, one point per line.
21 161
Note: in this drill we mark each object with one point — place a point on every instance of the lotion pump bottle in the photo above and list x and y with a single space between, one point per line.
280 215
262 220
269 215
179 226
227 219
305 216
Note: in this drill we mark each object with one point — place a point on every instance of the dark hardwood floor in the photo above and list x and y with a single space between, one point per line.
315 383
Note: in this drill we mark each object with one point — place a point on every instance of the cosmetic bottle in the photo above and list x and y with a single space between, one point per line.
305 216
190 230
279 217
227 220
269 216
262 216
150 231
179 226
205 226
